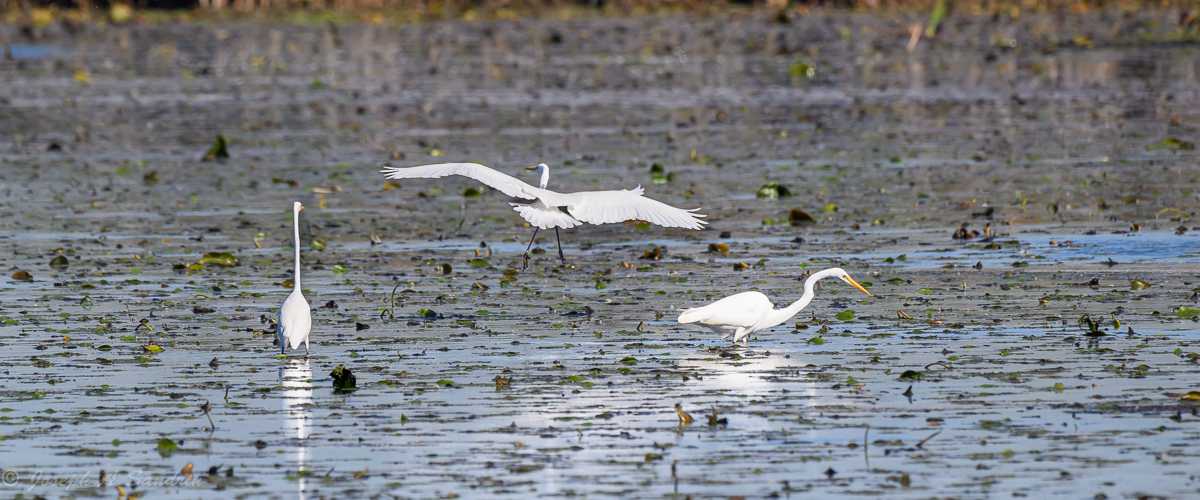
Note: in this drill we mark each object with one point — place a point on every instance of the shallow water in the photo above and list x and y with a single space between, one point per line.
1062 148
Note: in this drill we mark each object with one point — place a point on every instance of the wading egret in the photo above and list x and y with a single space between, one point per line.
294 319
748 312
554 210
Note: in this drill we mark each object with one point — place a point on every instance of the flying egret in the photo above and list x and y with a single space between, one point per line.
554 210
294 319
741 314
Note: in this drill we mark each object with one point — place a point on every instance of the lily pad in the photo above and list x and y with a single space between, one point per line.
166 447
218 151
1186 312
773 191
219 258
798 217
59 262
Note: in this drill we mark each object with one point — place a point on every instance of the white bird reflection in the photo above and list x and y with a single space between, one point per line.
296 378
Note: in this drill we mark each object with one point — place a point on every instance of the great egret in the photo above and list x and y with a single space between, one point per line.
741 314
554 210
294 319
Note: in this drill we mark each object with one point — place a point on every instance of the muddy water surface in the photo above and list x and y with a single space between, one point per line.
966 374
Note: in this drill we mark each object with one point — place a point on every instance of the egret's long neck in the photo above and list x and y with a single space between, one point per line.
545 177
296 242
778 316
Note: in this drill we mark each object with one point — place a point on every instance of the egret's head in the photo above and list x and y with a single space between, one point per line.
297 207
540 167
846 277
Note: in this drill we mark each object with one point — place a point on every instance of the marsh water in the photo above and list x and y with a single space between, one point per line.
967 373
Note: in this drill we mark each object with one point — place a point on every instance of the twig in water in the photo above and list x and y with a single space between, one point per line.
923 441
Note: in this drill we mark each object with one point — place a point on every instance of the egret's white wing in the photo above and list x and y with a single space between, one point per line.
545 218
741 310
295 320
504 183
604 207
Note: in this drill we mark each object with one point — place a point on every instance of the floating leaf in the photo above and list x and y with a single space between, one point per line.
390 185
721 248
443 269
829 208
1186 312
471 193
910 375
798 217
1191 396
340 269
799 69
154 348
317 244
166 447
479 263
816 340
427 313
22 276
60 261
1173 143
741 266
846 315
629 360
218 151
773 191
446 382
1138 284
219 258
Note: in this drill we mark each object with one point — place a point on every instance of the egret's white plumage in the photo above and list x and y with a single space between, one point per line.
741 314
295 321
552 209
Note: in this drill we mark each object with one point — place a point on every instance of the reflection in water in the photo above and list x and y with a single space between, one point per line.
296 378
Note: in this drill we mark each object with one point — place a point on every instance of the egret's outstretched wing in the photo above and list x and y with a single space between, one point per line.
545 218
504 183
604 207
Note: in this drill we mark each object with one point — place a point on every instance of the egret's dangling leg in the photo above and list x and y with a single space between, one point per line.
306 346
526 264
282 343
560 255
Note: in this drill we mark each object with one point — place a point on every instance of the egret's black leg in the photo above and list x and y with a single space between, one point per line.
282 346
526 264
559 241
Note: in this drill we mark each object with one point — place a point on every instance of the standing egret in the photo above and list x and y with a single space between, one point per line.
294 319
741 314
554 210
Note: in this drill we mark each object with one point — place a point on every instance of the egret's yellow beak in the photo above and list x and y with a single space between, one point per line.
856 285
301 207
531 168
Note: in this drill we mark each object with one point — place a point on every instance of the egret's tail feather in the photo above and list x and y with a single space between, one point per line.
691 315
545 218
